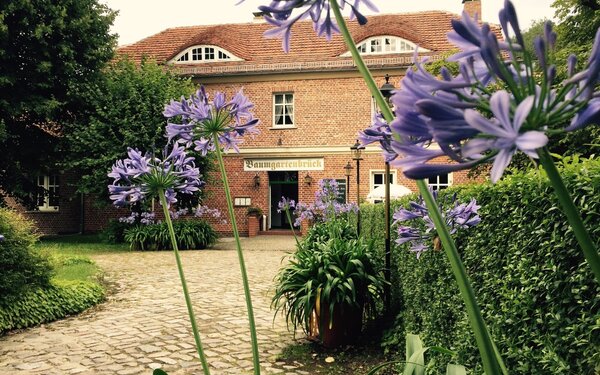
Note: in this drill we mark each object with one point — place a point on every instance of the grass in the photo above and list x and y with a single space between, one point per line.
70 255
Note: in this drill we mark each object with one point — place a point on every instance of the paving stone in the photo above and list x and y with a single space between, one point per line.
144 325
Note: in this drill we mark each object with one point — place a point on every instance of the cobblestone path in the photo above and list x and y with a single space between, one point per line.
144 323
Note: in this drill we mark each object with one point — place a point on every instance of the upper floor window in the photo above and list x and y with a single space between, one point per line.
48 193
283 110
208 53
382 45
440 182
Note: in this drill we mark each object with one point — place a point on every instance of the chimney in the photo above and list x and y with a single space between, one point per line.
473 8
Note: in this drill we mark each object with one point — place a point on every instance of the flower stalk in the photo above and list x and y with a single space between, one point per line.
571 211
186 293
492 362
253 337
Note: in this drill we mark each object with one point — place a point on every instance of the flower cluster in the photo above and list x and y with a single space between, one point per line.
145 218
2 238
279 14
326 205
424 235
140 176
286 204
473 124
202 120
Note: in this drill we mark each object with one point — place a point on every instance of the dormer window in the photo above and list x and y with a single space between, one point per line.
384 45
207 53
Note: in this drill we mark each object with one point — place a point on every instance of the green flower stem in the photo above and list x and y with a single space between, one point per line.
255 357
289 217
492 362
186 294
583 237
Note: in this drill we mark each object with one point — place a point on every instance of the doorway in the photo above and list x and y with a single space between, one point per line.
281 184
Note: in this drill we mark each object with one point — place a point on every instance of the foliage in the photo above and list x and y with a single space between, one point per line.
190 234
338 271
414 362
41 305
125 110
48 51
578 21
537 294
321 233
115 231
23 267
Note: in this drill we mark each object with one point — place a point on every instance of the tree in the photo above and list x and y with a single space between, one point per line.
578 21
125 110
48 50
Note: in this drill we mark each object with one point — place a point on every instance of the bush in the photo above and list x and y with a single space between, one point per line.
22 267
537 293
115 231
190 234
36 306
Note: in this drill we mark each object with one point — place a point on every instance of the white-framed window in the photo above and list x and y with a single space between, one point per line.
377 178
283 110
440 182
204 53
384 45
48 194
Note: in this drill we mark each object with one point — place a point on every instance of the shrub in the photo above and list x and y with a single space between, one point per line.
537 293
115 231
36 306
22 267
190 234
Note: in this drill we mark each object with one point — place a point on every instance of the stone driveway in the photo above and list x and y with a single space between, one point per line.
144 324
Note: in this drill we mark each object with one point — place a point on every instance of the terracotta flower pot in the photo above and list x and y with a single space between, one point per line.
345 327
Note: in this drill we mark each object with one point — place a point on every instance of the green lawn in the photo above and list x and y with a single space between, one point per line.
70 255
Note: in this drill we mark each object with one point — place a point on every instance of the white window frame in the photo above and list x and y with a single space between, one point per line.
51 184
283 104
439 185
385 45
374 172
198 55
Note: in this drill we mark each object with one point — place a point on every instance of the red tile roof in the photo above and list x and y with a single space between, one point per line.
246 41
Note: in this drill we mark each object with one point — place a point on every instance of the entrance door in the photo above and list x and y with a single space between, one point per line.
281 184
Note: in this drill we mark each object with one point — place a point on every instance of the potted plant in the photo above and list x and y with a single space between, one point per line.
254 214
331 281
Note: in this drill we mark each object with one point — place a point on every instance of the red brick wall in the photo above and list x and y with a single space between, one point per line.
96 216
64 221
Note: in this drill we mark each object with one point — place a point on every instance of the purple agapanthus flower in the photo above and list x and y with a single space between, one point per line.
284 14
421 235
461 118
202 119
285 204
325 206
142 176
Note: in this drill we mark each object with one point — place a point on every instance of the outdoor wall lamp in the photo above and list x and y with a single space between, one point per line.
308 179
256 180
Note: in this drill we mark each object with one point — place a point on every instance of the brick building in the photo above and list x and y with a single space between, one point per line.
311 102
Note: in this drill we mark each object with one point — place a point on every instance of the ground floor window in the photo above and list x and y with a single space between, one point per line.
440 182
48 192
377 179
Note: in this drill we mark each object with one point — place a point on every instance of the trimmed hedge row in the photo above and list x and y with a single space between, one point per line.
60 299
538 295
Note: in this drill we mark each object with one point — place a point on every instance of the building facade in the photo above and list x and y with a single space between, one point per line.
311 103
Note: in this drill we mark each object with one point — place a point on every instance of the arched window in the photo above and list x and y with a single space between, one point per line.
385 44
204 53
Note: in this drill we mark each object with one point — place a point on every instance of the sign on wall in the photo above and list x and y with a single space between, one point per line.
284 164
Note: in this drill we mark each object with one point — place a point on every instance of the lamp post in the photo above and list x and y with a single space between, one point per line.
357 155
348 171
386 90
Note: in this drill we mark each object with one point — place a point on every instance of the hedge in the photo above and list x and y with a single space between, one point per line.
537 293
60 299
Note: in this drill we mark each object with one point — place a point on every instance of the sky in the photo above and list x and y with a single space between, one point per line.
138 19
